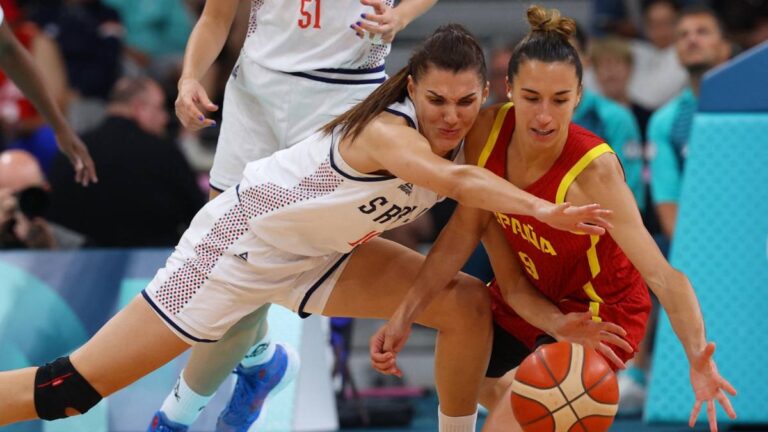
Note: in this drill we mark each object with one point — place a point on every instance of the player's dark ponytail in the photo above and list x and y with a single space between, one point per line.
451 47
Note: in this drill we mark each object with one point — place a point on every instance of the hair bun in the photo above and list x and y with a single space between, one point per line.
549 21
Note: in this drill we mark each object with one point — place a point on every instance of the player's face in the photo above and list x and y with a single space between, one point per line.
545 96
700 45
447 105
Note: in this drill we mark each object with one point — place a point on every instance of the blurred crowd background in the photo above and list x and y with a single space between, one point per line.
113 66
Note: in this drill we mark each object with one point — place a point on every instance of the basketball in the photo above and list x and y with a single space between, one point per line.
564 387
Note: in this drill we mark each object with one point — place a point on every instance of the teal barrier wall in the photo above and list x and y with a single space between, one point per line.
721 243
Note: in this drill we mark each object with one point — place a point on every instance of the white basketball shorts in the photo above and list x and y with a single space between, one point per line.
220 272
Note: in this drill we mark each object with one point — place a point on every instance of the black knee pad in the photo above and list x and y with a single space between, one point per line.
59 386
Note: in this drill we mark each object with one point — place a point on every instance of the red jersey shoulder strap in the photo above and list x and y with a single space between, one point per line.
501 131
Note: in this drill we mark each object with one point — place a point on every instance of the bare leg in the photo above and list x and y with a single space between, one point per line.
495 395
132 344
210 364
374 282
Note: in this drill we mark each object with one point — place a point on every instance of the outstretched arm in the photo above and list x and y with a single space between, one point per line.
18 64
470 185
204 45
601 182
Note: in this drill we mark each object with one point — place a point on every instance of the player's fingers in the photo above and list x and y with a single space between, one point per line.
601 222
377 5
727 386
382 363
694 413
712 416
189 114
375 343
726 404
590 229
383 366
611 356
358 30
617 341
373 28
612 328
90 169
77 164
382 357
375 19
205 101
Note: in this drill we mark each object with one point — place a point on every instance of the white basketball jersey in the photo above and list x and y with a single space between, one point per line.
307 201
308 35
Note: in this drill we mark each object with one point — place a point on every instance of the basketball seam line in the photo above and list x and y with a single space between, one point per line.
552 375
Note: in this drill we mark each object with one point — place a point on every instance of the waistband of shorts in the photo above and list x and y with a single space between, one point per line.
375 75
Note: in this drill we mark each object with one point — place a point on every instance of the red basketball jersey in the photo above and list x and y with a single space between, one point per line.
575 271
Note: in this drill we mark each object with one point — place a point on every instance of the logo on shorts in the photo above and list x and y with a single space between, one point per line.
407 188
243 256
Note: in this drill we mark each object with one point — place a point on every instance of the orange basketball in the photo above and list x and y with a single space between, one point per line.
564 387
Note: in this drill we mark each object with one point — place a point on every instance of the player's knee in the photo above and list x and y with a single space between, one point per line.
60 390
473 299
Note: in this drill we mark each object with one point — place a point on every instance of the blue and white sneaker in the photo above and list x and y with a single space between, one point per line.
160 423
253 386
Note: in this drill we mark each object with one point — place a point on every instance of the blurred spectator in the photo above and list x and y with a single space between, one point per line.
615 124
616 17
147 194
23 203
498 73
701 45
657 74
611 60
156 33
89 36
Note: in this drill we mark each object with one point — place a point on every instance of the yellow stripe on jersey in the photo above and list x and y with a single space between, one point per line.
594 263
577 168
594 307
497 124
591 293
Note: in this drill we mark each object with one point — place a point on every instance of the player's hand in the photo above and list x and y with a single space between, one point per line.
709 386
77 152
190 104
381 26
578 327
587 219
386 343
